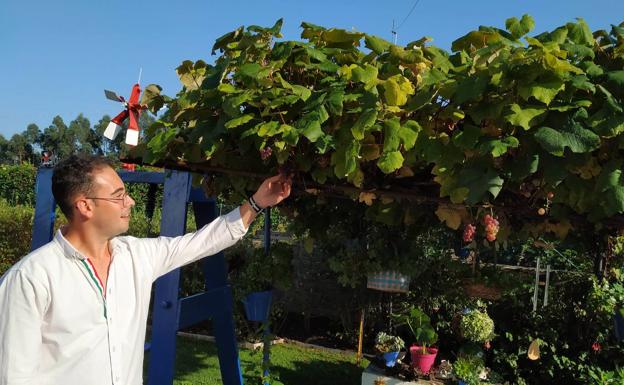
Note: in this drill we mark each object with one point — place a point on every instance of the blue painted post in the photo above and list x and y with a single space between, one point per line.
215 278
165 310
267 230
43 224
266 351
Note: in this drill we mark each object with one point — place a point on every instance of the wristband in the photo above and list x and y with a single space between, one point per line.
254 205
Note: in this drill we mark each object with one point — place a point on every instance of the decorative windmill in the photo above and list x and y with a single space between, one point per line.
132 110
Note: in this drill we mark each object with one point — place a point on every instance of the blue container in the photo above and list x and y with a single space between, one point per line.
463 252
618 323
461 382
258 305
390 358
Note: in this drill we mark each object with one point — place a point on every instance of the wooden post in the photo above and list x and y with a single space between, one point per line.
360 338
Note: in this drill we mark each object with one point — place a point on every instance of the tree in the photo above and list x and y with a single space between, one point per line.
65 140
20 149
5 154
80 134
53 137
32 134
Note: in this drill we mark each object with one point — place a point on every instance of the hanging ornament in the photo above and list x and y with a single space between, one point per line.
534 353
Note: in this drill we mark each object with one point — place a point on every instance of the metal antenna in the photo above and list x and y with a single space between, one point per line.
394 33
140 73
394 30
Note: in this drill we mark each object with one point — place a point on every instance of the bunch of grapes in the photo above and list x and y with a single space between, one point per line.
469 232
544 210
491 227
265 153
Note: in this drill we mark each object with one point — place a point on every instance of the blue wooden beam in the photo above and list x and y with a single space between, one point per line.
142 177
215 279
267 230
165 307
199 307
43 224
198 195
266 351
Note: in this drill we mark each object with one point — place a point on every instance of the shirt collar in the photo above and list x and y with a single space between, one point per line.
70 251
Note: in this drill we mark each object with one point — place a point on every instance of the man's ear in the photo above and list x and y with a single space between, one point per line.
83 208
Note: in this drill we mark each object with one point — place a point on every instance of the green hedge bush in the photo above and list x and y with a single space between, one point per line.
15 233
17 183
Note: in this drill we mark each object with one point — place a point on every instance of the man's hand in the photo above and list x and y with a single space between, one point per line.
273 190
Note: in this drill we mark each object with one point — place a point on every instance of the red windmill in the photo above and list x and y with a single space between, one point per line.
133 110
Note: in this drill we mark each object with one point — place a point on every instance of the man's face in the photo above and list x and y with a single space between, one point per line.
110 203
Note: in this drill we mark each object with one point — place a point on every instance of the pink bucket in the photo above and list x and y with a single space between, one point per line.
423 362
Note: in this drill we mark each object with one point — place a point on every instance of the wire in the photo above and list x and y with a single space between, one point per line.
408 15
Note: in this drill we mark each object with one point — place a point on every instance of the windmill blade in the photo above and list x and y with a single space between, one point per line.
132 134
112 130
113 96
134 120
119 119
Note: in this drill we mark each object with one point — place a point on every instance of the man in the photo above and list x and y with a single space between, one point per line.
75 310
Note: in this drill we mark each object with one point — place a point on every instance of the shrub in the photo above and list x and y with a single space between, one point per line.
477 326
17 184
15 233
468 369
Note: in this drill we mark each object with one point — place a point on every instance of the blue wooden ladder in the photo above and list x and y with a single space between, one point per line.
170 313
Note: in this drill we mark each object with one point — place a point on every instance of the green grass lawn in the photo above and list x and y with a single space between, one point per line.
197 364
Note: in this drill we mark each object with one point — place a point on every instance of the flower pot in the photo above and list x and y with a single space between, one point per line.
618 323
389 281
390 358
258 305
423 362
463 253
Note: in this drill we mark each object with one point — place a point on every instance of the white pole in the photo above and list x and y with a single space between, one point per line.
546 288
535 293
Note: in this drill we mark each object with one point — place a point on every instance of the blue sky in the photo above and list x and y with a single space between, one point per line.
58 56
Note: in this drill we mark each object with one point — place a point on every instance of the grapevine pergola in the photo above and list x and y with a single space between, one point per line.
528 128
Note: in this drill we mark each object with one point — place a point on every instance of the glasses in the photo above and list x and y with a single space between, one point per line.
124 199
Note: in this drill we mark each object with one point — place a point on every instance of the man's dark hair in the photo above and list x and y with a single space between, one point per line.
74 176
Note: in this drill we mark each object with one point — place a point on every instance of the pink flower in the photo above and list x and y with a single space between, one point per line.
596 347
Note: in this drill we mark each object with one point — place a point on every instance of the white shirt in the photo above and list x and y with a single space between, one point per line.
56 327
